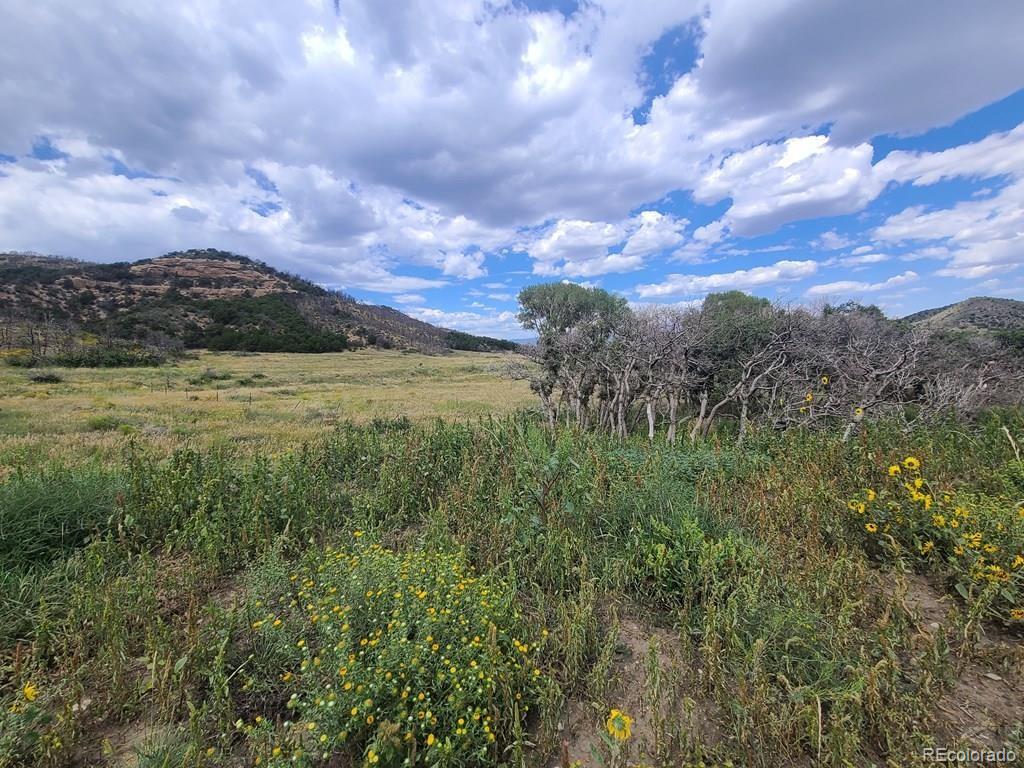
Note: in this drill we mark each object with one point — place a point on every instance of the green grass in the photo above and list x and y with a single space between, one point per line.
270 401
723 598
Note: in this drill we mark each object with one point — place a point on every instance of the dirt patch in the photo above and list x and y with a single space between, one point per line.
120 746
661 691
926 600
986 701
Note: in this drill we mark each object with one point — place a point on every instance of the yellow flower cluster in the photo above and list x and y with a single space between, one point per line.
980 539
404 655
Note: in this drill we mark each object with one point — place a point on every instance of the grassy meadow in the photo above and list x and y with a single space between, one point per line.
384 559
257 400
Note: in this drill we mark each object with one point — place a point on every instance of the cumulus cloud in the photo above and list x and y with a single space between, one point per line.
752 85
848 287
979 236
464 265
355 145
802 178
677 285
996 155
832 241
410 298
499 324
591 248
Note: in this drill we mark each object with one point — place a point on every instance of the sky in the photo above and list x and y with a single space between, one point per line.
440 156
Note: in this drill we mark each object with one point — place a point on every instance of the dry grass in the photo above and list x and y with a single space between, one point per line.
265 400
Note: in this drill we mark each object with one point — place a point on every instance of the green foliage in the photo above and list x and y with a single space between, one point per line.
1012 340
404 658
223 594
261 324
46 377
550 308
48 514
976 539
105 356
471 343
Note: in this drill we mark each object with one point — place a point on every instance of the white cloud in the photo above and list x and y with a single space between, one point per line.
770 68
655 232
832 241
436 134
410 298
996 155
773 184
464 265
500 324
847 287
578 248
859 260
757 277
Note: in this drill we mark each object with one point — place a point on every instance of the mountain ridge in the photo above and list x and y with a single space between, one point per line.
978 313
214 299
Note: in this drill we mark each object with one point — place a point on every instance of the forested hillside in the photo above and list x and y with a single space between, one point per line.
201 298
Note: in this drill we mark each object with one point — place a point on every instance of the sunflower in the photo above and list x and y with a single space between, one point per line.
619 724
912 463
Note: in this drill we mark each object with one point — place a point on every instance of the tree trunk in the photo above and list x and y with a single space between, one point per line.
650 420
673 407
744 407
698 423
852 426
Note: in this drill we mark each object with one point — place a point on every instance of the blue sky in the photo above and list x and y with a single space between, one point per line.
438 157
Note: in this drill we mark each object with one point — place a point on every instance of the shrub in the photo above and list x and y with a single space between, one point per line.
45 378
43 515
103 423
18 358
395 656
975 539
207 376
116 356
673 562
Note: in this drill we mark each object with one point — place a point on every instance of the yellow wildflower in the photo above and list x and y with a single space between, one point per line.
619 725
870 527
29 691
912 463
894 469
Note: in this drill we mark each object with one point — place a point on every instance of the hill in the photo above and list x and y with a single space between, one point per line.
981 313
212 299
